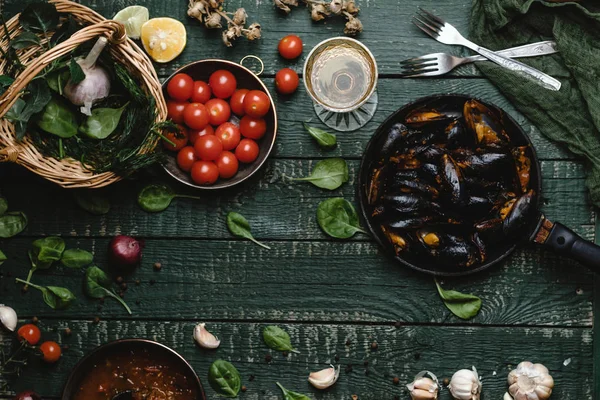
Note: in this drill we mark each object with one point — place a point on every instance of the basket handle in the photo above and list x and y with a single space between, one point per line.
9 154
115 31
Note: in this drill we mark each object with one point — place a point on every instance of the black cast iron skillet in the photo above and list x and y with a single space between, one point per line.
538 228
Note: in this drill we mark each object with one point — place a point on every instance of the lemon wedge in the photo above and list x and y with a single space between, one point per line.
163 38
133 17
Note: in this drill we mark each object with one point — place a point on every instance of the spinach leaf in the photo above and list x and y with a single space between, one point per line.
58 298
17 116
92 202
64 31
58 119
102 123
77 74
240 227
3 205
157 198
328 174
278 339
325 139
39 17
76 258
289 395
12 223
464 306
98 285
6 81
46 251
57 80
39 96
25 40
224 378
2 257
337 217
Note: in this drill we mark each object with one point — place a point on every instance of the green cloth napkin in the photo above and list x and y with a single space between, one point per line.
572 115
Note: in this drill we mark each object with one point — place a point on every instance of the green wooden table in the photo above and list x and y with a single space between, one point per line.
334 297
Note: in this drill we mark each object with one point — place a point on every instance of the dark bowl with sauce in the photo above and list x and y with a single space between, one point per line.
128 364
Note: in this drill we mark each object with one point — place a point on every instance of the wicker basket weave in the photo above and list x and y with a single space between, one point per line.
68 172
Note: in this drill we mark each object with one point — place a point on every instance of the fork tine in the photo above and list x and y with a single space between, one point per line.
425 28
415 67
433 72
420 68
425 17
416 60
435 18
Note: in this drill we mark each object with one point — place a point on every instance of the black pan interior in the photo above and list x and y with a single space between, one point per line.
452 104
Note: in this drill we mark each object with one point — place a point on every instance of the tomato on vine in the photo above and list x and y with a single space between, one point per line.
51 351
29 333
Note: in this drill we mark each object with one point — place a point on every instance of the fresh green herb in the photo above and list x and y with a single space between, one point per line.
76 258
20 113
3 257
58 119
102 122
337 217
58 298
24 40
18 117
325 139
92 202
3 205
98 285
278 339
157 198
39 17
289 395
45 252
240 227
464 306
76 72
224 378
328 174
5 82
57 80
12 223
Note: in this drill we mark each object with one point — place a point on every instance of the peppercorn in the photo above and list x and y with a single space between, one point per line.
251 378
68 331
137 282
8 274
123 286
354 397
285 353
348 342
366 363
367 372
348 368
121 294
374 346
398 324
152 281
244 388
65 347
396 397
417 356
138 302
96 320
157 266
119 279
101 300
337 358
25 289
35 320
268 358
446 381
396 380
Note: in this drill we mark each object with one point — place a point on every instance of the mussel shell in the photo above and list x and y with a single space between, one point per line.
452 179
484 164
484 123
393 141
410 203
523 165
451 250
457 135
415 186
519 215
399 241
430 153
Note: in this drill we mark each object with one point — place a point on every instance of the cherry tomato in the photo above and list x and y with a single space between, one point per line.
194 134
186 158
179 138
222 83
205 172
27 395
219 111
247 151
253 128
175 110
229 134
201 92
237 102
208 148
180 87
286 81
196 116
256 103
29 333
290 47
51 351
227 164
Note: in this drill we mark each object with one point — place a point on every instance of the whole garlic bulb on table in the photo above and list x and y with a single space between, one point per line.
465 385
530 382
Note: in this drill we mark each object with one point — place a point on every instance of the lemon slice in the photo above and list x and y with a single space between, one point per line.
133 17
163 38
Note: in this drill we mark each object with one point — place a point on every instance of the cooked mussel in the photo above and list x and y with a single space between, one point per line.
452 179
448 249
457 135
414 186
374 185
519 213
424 115
429 153
399 242
484 123
523 164
410 203
431 173
484 164
394 139
405 161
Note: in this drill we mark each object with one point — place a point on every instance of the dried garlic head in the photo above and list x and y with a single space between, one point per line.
318 12
336 6
424 387
353 26
465 385
530 382
213 21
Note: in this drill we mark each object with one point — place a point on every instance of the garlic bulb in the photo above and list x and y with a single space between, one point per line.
530 382
465 385
96 84
423 387
204 338
8 317
324 378
507 397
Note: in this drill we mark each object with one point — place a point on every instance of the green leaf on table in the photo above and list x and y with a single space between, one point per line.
278 339
76 258
464 306
76 72
46 251
98 285
12 223
58 298
92 202
325 139
58 119
39 17
24 40
157 198
289 395
338 218
329 174
240 227
3 205
2 257
224 378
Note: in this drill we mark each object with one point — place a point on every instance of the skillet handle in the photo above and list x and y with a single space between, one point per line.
567 243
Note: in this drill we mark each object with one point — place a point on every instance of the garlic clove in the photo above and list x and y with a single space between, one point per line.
424 387
8 317
204 338
324 378
465 385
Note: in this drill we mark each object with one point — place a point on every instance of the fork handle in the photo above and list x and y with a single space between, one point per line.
528 50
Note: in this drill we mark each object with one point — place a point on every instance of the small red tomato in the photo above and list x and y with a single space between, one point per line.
186 158
219 111
201 92
252 128
237 102
229 134
290 47
222 83
208 148
227 164
27 395
286 81
196 116
256 103
247 151
175 110
180 87
205 172
194 134
51 351
29 333
180 139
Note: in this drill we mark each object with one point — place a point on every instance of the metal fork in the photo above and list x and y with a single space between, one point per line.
445 33
441 63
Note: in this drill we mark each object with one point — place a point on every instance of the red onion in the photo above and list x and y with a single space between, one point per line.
27 395
125 251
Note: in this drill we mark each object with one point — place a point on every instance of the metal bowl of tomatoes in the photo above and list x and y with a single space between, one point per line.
227 124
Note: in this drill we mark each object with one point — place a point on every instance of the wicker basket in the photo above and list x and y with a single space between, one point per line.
70 173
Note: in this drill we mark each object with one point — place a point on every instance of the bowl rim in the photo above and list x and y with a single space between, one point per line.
71 381
227 184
